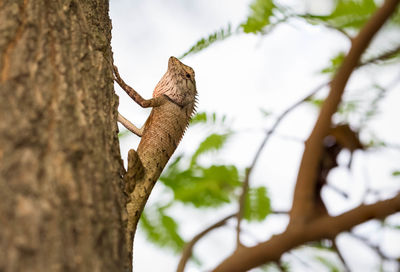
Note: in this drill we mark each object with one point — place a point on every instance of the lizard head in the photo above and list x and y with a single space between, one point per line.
178 83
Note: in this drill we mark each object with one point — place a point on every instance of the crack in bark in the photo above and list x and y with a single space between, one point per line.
5 70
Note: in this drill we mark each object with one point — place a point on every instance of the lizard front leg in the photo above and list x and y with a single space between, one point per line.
144 103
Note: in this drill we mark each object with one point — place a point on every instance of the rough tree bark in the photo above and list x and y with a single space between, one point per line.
61 202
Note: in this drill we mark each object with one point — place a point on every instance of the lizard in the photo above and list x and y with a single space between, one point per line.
173 104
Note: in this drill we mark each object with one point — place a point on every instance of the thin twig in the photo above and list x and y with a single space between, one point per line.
340 30
322 227
327 25
303 262
303 204
340 255
385 56
268 134
337 190
375 248
187 251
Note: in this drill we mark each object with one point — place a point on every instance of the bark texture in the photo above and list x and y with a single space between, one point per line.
61 202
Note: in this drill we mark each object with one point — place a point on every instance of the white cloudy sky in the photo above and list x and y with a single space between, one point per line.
238 77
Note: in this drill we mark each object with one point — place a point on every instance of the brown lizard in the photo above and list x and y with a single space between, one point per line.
173 104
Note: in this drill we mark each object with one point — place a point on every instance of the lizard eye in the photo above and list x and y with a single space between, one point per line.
187 75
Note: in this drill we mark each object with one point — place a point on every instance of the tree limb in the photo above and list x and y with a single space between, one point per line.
324 227
304 226
245 185
187 251
340 255
303 204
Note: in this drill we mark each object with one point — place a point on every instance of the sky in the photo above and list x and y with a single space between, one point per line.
237 78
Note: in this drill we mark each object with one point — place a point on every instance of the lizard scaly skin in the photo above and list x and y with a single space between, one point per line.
173 105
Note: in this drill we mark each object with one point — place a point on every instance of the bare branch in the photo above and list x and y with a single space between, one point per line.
303 204
268 134
306 178
375 248
385 56
187 251
340 255
323 227
340 30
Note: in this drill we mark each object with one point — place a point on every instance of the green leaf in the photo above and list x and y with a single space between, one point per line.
348 107
317 102
396 173
351 14
396 16
202 44
200 117
203 186
123 133
374 142
212 143
335 63
265 113
257 204
161 229
261 12
208 118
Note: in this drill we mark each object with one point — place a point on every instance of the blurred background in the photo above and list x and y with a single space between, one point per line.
250 67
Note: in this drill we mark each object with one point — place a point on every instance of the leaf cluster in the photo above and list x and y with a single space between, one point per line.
161 229
261 12
203 43
257 204
347 14
264 15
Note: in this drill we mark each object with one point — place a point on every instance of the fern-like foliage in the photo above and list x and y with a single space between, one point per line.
219 35
257 204
161 229
350 14
261 12
334 64
208 119
213 142
202 186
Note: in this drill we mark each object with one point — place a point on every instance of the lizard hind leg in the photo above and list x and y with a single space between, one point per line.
135 171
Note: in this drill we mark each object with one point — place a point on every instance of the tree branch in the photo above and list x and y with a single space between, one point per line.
303 204
245 185
375 248
385 56
340 255
324 227
187 251
268 134
304 226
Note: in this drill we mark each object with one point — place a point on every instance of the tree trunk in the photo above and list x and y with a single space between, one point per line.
61 199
